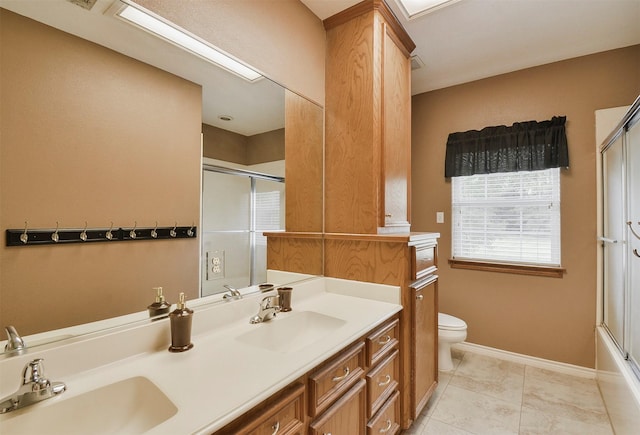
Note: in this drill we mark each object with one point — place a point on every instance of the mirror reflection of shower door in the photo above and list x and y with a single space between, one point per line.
269 216
237 207
226 241
613 232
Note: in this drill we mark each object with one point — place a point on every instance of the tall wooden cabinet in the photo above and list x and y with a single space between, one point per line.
367 121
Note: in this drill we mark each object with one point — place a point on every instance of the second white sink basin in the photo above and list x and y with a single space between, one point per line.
131 406
291 332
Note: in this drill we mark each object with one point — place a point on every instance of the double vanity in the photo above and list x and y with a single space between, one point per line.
339 336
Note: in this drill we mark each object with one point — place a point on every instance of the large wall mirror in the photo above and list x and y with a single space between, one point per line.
103 123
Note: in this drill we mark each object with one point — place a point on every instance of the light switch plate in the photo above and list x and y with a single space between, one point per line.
439 217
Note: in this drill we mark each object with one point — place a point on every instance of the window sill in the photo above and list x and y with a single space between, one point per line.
519 269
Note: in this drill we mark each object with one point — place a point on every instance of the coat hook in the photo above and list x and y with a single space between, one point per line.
132 233
190 230
173 233
154 232
83 234
635 252
632 230
24 237
55 236
109 234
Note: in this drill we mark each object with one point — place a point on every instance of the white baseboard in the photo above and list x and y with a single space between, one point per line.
568 369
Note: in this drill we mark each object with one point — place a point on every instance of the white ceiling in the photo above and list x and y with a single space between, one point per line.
475 39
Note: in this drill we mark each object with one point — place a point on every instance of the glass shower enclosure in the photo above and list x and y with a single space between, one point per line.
621 236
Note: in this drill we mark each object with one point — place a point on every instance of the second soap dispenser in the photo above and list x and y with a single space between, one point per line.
181 327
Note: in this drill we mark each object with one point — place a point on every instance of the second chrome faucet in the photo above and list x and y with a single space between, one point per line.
269 306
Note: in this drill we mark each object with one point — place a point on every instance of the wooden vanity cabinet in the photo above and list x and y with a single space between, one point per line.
350 393
400 260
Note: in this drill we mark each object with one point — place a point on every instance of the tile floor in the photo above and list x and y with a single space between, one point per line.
484 395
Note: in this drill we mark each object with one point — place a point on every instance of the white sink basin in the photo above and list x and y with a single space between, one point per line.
133 405
291 332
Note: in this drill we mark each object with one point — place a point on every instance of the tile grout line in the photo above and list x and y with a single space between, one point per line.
524 381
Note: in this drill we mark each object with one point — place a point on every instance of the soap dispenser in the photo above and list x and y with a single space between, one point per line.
160 306
181 327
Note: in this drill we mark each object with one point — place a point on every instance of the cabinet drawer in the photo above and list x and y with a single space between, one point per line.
424 261
335 377
381 341
346 416
285 415
387 420
382 381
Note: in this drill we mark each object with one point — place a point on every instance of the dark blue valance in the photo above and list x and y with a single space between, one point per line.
524 146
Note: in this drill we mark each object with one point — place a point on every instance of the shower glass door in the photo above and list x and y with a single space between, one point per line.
613 240
632 142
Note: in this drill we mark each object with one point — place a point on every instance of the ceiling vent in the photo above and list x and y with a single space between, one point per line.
85 4
416 62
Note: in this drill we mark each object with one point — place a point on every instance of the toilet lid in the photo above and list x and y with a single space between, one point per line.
446 321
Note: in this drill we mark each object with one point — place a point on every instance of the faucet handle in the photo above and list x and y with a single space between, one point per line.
33 372
33 375
269 300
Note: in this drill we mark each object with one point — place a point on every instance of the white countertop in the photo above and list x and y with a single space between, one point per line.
220 378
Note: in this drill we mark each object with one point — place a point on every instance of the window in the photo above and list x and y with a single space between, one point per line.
511 217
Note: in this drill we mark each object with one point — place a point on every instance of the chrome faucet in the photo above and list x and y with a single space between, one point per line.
14 341
232 293
268 309
35 388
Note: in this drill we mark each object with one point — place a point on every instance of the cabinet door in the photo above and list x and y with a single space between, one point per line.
396 134
283 414
425 343
346 416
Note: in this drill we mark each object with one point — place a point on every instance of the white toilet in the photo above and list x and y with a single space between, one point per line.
450 330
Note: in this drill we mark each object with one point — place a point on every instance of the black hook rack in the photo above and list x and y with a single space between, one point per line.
57 236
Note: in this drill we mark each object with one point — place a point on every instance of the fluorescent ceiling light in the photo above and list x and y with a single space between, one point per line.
185 41
416 8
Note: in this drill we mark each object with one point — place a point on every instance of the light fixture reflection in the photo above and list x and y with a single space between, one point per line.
160 28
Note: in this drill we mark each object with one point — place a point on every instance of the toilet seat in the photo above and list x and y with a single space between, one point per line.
450 323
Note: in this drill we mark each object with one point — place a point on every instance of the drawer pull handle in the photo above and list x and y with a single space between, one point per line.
386 429
420 297
276 428
339 378
384 340
386 381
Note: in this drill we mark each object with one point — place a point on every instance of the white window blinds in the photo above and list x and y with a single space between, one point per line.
509 217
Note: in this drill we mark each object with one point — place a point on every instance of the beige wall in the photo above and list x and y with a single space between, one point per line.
233 147
265 147
90 135
545 317
282 39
